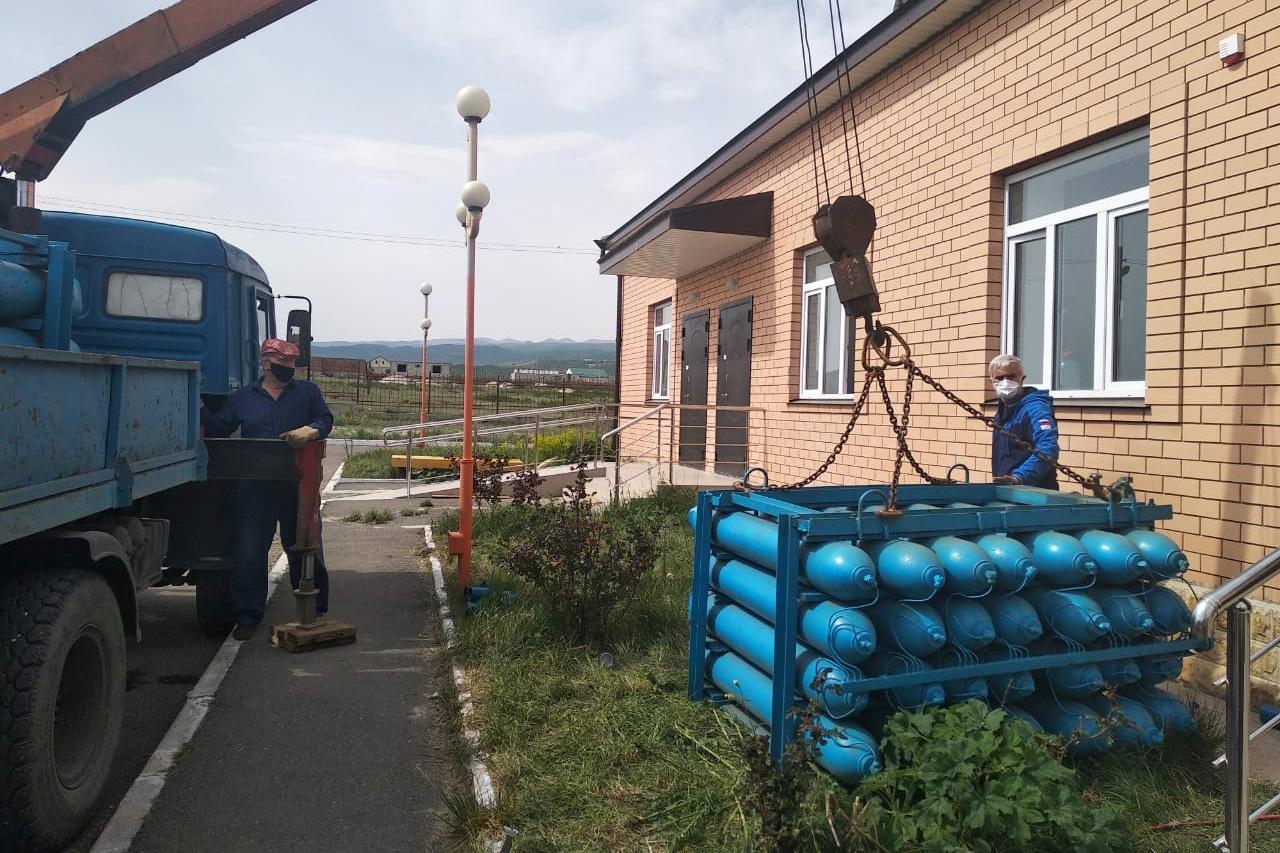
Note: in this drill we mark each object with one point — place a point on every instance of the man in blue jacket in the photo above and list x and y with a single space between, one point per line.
1028 414
277 406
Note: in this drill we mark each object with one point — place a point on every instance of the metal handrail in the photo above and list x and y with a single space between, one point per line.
1232 599
645 415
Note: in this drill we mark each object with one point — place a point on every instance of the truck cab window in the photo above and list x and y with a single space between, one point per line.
155 296
264 319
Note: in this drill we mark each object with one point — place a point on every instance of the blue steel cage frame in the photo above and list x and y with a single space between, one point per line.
804 516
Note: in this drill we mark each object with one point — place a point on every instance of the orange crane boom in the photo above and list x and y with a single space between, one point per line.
40 118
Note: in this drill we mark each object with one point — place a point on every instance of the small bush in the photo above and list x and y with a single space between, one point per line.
586 564
373 516
969 778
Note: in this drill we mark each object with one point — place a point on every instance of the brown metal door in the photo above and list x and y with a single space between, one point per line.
733 387
694 330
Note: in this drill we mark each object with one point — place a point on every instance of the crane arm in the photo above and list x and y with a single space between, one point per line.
40 118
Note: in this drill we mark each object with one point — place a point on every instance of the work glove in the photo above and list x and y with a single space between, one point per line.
297 438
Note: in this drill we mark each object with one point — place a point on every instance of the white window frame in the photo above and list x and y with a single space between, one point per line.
806 290
660 380
1105 211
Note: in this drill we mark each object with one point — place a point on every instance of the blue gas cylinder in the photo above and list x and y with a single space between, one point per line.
1070 720
1125 609
1060 559
1014 566
911 627
968 623
1165 559
1007 688
1119 561
1157 669
1073 681
21 291
1118 673
1014 620
907 568
1134 725
1168 611
11 337
1070 614
917 696
968 570
1169 712
1025 716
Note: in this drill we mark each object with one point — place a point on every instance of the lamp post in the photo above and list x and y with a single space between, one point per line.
473 105
425 290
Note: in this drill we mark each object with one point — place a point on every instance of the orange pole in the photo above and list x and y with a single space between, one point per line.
467 463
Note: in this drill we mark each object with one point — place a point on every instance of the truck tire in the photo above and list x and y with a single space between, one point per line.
214 610
62 679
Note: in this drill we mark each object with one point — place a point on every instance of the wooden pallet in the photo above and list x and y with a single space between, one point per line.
293 637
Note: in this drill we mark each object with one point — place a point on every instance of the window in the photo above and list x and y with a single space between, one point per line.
155 296
826 333
1075 295
264 318
661 351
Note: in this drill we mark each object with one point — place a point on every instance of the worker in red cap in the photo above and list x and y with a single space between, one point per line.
276 406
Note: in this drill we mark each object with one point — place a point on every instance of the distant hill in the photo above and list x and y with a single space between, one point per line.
549 354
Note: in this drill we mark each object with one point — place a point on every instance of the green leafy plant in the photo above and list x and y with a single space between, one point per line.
970 778
777 793
586 565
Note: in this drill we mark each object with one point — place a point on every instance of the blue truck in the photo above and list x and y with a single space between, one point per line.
113 332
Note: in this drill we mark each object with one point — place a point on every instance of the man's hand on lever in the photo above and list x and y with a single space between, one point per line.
298 438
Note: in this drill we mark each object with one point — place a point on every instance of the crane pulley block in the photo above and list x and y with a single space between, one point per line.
845 228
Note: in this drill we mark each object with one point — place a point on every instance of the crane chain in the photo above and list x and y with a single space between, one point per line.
844 437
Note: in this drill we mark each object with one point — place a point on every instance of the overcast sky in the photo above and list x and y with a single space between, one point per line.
341 117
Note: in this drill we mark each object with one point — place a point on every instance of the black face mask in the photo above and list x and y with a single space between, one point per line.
282 372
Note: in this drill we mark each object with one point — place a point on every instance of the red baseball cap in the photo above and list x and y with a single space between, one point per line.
281 352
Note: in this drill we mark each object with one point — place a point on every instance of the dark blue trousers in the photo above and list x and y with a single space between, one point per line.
259 507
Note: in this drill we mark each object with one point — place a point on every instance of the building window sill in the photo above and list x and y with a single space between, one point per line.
1061 403
821 401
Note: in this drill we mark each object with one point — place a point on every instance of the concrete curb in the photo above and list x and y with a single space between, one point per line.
481 781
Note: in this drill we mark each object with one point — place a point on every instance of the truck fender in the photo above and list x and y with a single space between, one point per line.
106 555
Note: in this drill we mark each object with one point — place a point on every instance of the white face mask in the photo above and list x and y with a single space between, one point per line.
1007 389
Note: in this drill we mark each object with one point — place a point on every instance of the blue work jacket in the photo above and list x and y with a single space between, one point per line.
1030 418
258 416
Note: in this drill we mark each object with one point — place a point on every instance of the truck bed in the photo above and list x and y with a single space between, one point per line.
82 433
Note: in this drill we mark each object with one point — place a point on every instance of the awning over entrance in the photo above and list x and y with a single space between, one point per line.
687 239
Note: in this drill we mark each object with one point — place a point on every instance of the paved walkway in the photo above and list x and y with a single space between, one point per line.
334 749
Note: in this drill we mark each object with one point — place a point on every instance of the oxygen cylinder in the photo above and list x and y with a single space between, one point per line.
918 507
959 689
1007 688
907 568
842 632
1157 669
1025 716
1069 720
968 623
1014 567
1169 712
821 679
1164 558
11 337
961 505
1125 610
969 572
1119 673
847 752
914 628
1168 611
919 696
21 291
1135 726
840 569
1060 559
1119 561
1071 614
1014 620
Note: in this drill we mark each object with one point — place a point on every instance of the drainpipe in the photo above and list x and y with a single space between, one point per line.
617 367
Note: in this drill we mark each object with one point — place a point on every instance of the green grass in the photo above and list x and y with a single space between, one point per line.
593 758
376 463
372 516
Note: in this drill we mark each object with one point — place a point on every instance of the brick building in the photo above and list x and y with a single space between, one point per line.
1082 181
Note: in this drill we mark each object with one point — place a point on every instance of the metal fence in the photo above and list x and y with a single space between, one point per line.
364 402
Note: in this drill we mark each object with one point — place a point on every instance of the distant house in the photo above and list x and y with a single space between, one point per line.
328 366
441 371
528 374
592 375
380 365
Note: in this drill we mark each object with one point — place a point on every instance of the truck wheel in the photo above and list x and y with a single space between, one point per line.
214 611
62 674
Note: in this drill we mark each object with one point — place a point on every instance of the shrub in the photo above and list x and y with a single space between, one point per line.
586 564
969 778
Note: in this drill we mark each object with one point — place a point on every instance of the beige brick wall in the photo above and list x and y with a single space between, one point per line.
1010 85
